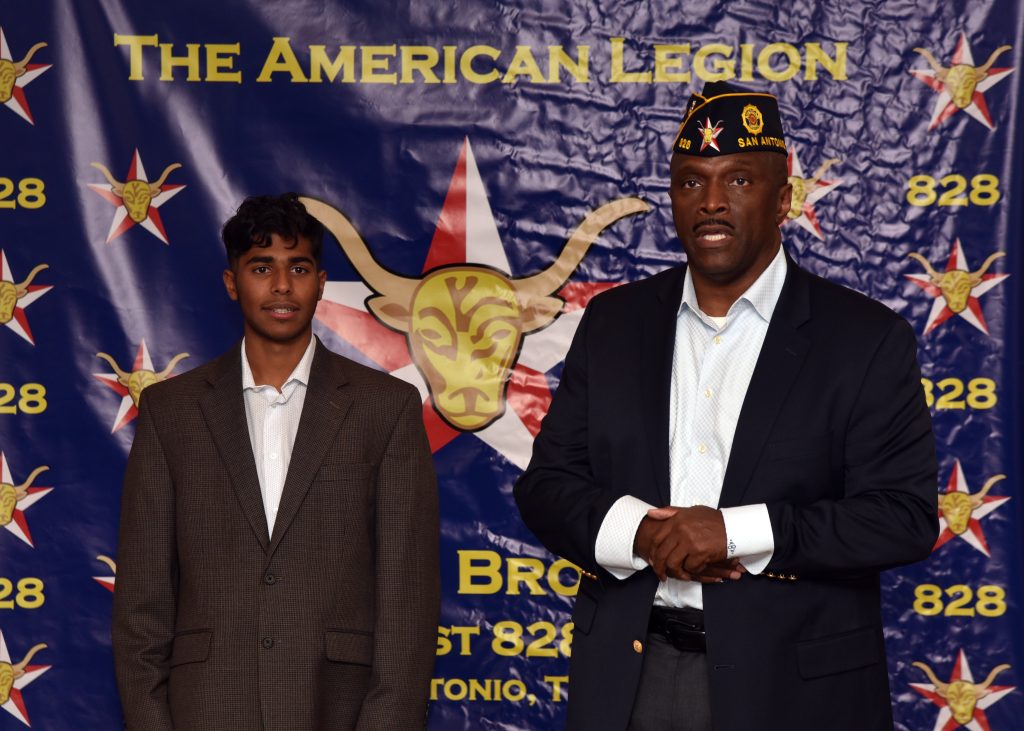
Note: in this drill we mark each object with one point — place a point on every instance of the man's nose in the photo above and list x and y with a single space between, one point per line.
282 282
714 199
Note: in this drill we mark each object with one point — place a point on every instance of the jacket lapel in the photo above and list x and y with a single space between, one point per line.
223 407
659 335
323 410
777 368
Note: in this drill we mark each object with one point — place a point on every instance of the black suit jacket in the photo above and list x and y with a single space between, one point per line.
833 435
328 623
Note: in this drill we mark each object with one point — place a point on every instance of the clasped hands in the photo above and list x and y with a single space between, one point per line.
687 544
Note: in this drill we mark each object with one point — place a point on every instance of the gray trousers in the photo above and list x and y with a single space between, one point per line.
673 693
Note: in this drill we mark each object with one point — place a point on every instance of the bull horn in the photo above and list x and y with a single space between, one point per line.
940 686
121 375
977 275
980 71
115 185
23 63
820 172
109 562
170 366
377 277
935 276
986 487
154 188
551 279
982 689
23 287
940 72
19 669
31 478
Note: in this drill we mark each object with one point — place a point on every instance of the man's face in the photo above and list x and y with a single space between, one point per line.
277 287
728 210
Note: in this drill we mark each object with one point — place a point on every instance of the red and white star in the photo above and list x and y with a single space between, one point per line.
18 524
940 311
19 322
466 232
945 720
128 411
974 535
122 221
15 704
18 103
944 105
817 188
709 134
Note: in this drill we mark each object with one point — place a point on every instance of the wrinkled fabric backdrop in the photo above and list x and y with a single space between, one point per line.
478 133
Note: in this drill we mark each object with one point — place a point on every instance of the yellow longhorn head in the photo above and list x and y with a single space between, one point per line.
957 506
11 494
961 695
10 293
136 194
956 284
961 79
10 71
9 673
803 186
464 323
138 380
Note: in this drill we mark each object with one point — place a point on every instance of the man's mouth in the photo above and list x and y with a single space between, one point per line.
712 232
281 311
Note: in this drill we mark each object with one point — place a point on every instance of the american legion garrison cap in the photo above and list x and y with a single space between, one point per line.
723 119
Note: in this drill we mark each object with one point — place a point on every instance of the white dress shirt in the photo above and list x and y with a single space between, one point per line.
713 361
273 419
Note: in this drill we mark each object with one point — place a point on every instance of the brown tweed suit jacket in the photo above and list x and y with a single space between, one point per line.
329 623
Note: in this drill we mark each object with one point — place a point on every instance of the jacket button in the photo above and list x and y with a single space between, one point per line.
268 642
269 578
638 646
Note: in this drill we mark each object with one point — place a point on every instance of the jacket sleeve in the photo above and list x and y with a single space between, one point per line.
887 514
145 598
557 495
408 583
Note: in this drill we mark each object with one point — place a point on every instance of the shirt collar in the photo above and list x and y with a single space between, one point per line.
762 295
300 374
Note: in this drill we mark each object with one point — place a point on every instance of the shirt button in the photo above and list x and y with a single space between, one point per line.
708 393
273 455
267 643
702 448
718 340
269 578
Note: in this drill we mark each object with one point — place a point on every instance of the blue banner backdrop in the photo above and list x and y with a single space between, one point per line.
483 133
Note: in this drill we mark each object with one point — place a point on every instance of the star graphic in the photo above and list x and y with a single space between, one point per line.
122 221
941 311
945 720
709 133
128 411
962 64
15 704
814 189
19 322
465 232
974 535
18 524
107 582
17 102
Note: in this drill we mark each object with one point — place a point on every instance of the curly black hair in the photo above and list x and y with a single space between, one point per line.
260 216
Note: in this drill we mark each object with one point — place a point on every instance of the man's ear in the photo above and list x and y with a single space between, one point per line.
785 202
322 276
229 284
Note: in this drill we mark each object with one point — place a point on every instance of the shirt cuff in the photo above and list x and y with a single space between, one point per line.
748 536
614 547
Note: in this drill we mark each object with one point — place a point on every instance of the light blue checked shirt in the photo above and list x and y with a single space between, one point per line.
712 363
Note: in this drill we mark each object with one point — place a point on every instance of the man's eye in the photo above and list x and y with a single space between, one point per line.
299 269
261 270
690 183
740 181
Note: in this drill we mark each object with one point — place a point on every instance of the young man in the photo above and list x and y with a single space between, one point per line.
736 449
278 559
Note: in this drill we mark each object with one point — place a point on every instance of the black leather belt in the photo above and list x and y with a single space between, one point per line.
683 628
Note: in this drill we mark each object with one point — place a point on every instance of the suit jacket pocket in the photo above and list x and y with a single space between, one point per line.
191 646
803 448
355 471
349 646
838 653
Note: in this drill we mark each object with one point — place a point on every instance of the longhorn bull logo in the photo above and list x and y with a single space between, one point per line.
137 380
9 673
11 70
804 186
961 79
11 494
11 292
464 323
961 695
956 284
136 194
957 507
